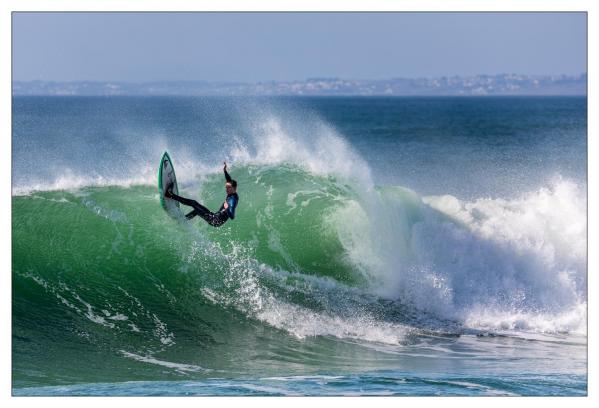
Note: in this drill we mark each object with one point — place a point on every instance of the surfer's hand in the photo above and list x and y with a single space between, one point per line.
226 205
225 168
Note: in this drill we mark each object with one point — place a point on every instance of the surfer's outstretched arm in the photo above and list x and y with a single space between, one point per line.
227 177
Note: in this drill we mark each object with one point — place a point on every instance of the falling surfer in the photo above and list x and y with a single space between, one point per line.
216 219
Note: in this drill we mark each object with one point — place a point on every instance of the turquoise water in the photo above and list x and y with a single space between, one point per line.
365 384
382 246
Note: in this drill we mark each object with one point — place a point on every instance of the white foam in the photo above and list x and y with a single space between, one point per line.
245 292
161 332
142 172
489 262
302 322
163 363
60 289
70 180
571 320
550 222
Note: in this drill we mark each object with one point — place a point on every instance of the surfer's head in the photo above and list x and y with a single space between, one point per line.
231 186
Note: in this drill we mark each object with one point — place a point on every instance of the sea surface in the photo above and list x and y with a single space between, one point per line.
381 246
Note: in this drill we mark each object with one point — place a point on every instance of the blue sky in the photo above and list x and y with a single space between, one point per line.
251 47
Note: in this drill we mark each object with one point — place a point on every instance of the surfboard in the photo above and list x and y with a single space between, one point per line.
166 177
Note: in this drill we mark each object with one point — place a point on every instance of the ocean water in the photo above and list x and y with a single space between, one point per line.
382 246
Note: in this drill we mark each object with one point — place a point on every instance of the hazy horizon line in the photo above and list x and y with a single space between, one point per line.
483 84
311 78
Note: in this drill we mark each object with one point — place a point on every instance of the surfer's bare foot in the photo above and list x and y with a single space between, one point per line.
168 193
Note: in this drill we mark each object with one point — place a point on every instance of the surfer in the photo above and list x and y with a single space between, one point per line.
226 211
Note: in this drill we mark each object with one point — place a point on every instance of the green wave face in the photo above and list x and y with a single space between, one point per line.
103 276
314 274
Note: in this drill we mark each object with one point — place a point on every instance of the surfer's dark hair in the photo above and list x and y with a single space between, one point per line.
233 183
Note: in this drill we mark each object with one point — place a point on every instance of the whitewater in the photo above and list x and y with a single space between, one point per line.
378 249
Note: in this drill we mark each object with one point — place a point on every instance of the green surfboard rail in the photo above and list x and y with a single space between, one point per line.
165 156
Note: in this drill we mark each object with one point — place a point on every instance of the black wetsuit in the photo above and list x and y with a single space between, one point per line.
215 219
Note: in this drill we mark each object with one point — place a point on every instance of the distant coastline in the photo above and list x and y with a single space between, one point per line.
479 85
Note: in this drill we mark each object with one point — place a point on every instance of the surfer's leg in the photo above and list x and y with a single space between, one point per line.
180 199
210 218
197 207
215 221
